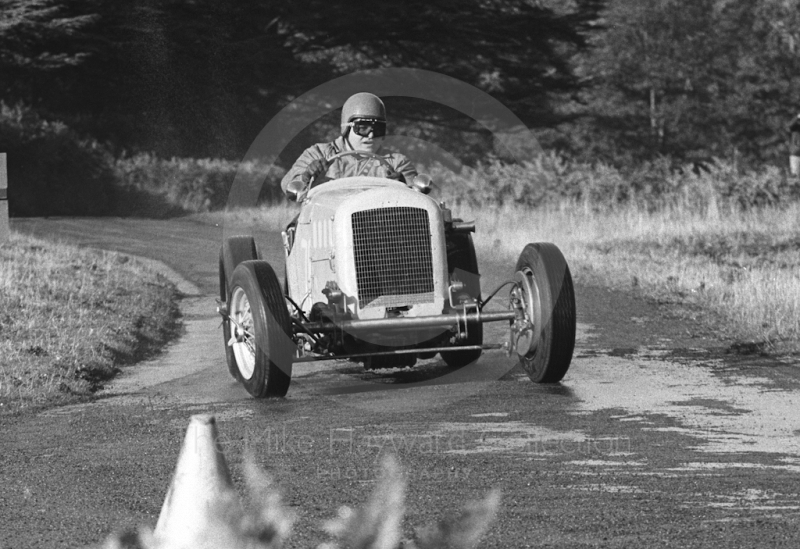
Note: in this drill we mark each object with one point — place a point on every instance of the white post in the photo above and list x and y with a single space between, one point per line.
5 231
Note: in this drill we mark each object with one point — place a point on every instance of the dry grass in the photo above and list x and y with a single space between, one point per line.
70 317
741 265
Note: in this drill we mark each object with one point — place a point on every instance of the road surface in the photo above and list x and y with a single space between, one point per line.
656 437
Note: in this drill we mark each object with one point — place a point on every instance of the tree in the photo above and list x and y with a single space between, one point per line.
185 78
691 79
763 91
38 40
202 77
519 51
652 72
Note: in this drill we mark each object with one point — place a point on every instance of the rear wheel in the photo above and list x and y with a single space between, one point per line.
462 264
261 342
544 333
233 251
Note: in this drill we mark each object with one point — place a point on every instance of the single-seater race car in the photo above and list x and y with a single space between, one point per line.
379 272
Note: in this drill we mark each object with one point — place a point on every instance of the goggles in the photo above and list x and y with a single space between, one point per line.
364 127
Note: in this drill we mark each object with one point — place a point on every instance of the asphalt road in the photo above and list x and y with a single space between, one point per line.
656 437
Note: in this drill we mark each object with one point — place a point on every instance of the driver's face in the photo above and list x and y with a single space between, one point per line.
368 144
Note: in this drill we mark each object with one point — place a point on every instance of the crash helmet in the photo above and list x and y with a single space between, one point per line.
362 105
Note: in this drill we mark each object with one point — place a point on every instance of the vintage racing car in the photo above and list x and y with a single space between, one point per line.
379 272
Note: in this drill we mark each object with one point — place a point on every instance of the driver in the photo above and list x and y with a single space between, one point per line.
363 129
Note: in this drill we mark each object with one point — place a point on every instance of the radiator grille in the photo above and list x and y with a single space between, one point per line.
394 265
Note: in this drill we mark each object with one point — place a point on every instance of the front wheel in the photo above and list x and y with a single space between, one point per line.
544 332
233 251
261 342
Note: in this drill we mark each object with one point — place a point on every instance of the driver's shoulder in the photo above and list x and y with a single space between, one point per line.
334 147
326 149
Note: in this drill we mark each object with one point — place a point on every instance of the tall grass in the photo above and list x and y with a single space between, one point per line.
724 239
743 265
201 185
69 317
550 180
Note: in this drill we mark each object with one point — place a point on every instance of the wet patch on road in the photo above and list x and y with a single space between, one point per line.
750 499
727 414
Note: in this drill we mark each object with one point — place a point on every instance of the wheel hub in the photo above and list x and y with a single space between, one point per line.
241 333
524 299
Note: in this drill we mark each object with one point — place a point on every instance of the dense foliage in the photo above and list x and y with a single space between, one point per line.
201 78
552 181
52 170
190 184
692 79
625 85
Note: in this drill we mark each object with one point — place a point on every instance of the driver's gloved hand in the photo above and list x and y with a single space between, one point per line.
315 169
397 176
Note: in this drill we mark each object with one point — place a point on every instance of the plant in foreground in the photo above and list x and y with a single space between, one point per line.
265 523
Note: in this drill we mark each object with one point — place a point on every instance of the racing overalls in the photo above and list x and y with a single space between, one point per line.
305 168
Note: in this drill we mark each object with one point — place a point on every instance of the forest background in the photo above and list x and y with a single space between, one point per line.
103 101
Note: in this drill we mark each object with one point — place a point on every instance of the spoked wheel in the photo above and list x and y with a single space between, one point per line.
543 335
234 251
261 345
243 342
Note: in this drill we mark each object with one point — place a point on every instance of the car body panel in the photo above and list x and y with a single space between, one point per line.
323 250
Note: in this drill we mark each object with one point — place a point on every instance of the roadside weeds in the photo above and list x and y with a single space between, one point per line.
739 266
70 317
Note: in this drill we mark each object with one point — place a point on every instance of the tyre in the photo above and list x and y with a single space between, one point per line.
462 261
261 345
545 336
233 251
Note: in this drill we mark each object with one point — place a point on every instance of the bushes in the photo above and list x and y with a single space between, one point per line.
54 172
203 184
551 180
193 185
51 170
548 180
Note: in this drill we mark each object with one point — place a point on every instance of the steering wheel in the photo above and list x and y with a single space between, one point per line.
366 154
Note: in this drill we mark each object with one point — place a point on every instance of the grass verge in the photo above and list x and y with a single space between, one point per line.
70 317
742 267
